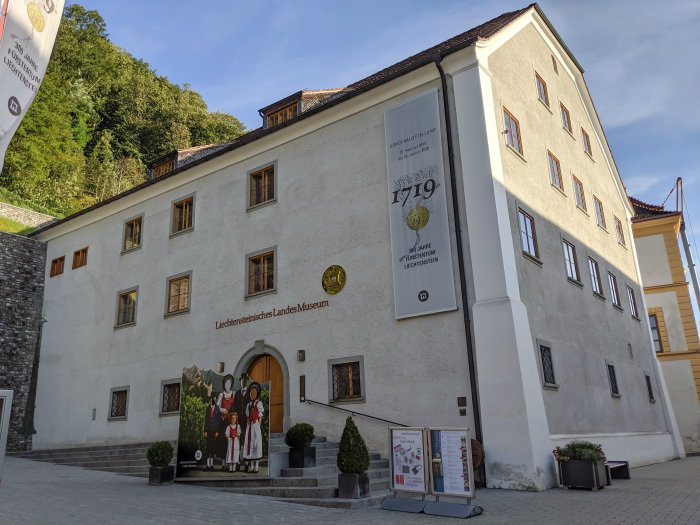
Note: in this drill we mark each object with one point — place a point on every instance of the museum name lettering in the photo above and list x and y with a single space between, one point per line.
303 307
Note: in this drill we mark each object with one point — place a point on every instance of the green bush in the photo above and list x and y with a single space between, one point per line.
12 198
579 449
160 454
300 435
353 456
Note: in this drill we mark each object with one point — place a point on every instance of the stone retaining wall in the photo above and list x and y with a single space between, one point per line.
22 269
24 216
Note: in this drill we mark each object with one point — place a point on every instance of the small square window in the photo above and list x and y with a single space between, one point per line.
281 116
57 266
346 381
612 378
579 194
650 390
542 90
262 186
126 307
619 231
512 131
548 377
633 303
595 276
565 118
132 234
614 295
261 273
586 142
170 399
570 260
183 214
162 169
599 213
656 333
119 402
527 233
178 294
80 258
554 171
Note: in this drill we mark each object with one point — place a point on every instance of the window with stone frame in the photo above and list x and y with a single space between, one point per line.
571 261
182 215
547 365
655 333
595 276
612 379
554 171
132 234
179 294
633 303
619 231
346 381
527 233
614 295
542 90
599 213
118 406
262 186
586 142
565 117
512 131
261 273
127 308
579 194
170 401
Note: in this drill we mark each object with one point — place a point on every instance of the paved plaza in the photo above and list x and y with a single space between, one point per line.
43 493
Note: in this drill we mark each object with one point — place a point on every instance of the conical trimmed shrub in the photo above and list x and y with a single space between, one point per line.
353 456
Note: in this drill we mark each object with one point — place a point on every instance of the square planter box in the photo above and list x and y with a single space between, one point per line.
161 475
302 457
582 474
353 486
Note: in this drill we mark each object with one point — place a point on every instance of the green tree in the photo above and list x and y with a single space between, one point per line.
192 411
353 456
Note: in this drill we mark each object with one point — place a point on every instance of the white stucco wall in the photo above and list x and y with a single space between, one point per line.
653 260
684 396
668 302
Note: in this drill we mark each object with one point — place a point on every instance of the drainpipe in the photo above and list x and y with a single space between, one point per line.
691 263
437 58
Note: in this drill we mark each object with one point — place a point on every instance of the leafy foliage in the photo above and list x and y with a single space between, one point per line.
192 411
159 454
99 117
8 197
300 435
353 456
579 449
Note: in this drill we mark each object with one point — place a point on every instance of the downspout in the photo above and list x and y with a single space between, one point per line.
437 58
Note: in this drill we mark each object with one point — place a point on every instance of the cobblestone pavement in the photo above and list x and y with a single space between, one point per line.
42 493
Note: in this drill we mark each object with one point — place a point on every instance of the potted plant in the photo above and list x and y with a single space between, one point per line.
299 438
353 462
159 455
581 464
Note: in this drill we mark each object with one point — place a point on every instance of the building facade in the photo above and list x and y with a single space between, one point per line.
185 268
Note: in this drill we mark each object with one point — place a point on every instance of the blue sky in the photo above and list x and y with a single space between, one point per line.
640 57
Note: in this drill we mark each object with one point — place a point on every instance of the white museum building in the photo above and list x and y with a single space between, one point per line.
465 206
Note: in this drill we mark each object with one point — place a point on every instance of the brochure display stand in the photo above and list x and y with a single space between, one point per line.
5 406
433 461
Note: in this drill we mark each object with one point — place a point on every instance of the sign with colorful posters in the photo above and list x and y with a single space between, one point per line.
418 216
5 406
27 39
408 463
224 426
451 462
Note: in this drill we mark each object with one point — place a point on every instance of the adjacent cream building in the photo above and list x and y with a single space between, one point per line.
556 343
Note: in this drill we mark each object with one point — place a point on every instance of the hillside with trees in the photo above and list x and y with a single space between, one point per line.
99 117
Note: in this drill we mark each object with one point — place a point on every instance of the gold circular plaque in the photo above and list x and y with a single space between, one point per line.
35 16
333 279
418 218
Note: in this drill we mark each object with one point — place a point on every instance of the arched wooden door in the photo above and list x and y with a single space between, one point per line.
266 368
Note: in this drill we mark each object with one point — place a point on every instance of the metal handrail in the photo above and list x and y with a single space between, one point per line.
354 413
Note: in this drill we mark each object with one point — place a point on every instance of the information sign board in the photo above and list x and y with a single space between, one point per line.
452 472
408 459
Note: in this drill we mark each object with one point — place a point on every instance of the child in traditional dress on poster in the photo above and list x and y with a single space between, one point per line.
233 433
253 447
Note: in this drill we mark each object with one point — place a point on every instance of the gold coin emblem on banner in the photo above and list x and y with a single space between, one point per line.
418 218
333 279
35 16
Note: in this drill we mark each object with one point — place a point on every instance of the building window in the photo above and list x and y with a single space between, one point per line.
612 378
346 381
183 215
650 390
570 260
80 258
599 213
542 90
633 302
554 171
554 65
595 276
262 186
620 232
512 131
548 377
527 233
57 266
132 234
261 273
119 402
164 168
586 142
655 333
613 290
580 195
126 307
282 116
565 118
170 398
178 294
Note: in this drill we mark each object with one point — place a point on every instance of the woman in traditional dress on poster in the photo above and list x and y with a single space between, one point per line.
253 448
225 403
233 433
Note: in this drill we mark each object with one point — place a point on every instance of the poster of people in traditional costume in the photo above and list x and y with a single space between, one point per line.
224 426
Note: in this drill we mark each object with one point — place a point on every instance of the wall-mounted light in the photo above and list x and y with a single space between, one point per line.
219 367
94 414
301 355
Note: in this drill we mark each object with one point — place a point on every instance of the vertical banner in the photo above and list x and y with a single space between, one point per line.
27 41
420 235
451 462
408 453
